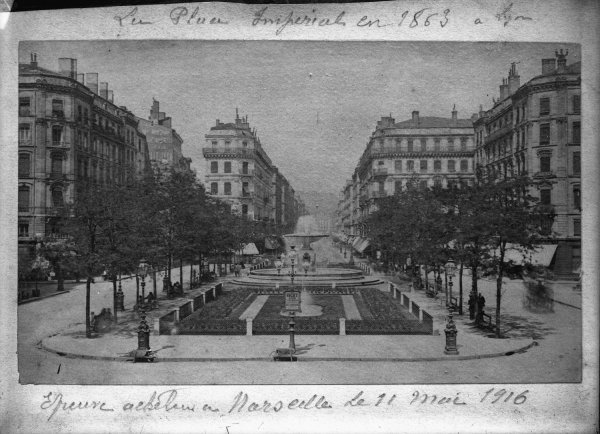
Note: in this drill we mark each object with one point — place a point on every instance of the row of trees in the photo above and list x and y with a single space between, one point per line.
475 226
164 217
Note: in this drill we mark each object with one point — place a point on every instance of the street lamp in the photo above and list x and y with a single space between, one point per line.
143 272
450 269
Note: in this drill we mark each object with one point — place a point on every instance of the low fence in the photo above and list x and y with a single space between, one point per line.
304 326
425 319
315 290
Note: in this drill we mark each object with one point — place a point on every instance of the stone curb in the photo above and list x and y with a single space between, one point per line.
31 300
300 358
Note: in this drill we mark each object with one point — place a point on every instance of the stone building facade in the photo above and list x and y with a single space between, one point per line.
70 129
240 171
535 129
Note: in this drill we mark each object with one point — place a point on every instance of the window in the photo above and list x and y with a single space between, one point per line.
423 166
397 186
227 188
546 196
214 188
577 197
214 167
451 166
410 166
423 185
85 116
24 106
544 106
56 166
214 143
576 227
544 134
23 198
463 143
57 108
227 143
576 163
464 165
245 190
437 182
381 187
576 132
227 167
545 163
57 135
24 165
79 114
437 166
24 133
23 229
450 145
436 145
245 145
244 209
398 166
577 104
451 184
409 145
245 168
423 145
57 198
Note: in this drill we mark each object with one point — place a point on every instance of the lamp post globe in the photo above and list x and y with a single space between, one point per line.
450 270
143 272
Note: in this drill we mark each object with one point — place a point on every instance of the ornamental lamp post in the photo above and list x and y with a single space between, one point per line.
450 331
120 296
143 272
450 269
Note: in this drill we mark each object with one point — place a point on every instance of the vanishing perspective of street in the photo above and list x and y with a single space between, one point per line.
320 213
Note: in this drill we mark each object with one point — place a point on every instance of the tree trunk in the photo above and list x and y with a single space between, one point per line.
154 283
114 282
474 289
499 288
191 271
460 289
426 280
88 325
181 273
169 266
137 289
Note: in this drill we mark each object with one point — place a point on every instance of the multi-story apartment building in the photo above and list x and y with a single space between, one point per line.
69 130
164 143
535 129
240 171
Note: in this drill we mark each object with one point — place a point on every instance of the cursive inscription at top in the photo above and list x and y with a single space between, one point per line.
180 15
292 19
130 18
506 15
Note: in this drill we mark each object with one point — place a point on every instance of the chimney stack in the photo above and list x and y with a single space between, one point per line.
154 110
80 78
218 123
91 78
104 89
68 67
110 96
454 115
504 89
34 63
481 112
561 63
415 118
548 66
514 80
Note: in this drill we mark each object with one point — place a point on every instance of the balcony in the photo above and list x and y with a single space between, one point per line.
492 137
377 194
229 152
25 112
246 173
380 172
57 143
58 114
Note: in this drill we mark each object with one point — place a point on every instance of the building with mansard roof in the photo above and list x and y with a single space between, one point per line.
535 129
70 129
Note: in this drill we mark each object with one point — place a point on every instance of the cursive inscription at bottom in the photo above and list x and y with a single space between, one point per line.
53 402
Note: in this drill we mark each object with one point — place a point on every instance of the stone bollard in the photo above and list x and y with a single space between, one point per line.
421 315
394 291
410 305
176 315
214 290
204 299
156 326
192 305
342 326
248 326
402 298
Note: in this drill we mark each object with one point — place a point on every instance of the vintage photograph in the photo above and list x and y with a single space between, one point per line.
299 212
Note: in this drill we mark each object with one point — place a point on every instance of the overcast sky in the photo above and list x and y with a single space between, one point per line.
314 104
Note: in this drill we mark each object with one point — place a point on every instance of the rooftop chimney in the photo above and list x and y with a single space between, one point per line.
218 123
454 114
514 80
154 110
481 112
415 118
91 78
67 67
504 89
104 89
548 66
561 63
111 96
80 78
34 63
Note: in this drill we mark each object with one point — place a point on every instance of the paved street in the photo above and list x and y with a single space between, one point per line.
555 359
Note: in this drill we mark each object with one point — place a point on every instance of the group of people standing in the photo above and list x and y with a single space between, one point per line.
476 307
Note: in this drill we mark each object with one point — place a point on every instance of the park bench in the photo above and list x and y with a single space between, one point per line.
487 321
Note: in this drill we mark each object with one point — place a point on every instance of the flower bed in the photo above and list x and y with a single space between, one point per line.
304 326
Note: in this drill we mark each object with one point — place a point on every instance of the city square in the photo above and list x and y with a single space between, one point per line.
237 233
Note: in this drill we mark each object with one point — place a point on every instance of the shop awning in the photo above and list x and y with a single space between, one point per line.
362 246
357 241
250 249
541 256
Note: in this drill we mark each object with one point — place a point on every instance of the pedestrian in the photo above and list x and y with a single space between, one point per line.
472 303
480 308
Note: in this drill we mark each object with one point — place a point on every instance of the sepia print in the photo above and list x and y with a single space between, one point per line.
299 212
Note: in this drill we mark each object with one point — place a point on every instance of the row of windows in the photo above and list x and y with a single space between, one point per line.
423 165
24 198
228 143
545 105
421 145
214 167
214 188
546 197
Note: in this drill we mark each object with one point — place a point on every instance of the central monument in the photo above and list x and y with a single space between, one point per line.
304 236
